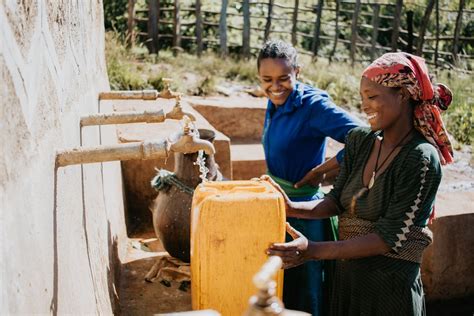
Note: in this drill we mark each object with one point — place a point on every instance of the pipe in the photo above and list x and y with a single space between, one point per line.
176 113
123 117
137 150
129 95
186 143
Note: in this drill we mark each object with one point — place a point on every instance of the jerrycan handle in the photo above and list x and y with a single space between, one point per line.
248 189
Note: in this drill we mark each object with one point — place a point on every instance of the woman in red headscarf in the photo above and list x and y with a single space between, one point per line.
384 194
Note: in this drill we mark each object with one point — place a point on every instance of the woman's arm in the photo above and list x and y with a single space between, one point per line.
320 173
315 209
331 120
360 247
300 250
418 178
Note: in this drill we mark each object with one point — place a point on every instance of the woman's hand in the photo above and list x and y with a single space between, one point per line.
288 203
314 178
320 174
292 253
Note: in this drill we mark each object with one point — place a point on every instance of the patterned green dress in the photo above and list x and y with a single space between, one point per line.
397 208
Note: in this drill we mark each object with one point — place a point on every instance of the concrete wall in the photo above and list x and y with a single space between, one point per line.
448 262
59 229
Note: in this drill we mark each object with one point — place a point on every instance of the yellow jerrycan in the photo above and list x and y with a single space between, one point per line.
232 224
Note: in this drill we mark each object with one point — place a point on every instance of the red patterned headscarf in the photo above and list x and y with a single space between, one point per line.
396 70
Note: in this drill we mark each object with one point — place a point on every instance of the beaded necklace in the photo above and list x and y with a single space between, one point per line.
377 167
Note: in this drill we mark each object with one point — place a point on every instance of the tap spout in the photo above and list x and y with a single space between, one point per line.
177 112
123 117
129 95
166 93
188 144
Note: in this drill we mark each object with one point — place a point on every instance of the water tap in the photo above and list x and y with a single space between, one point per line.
177 112
190 142
266 302
166 93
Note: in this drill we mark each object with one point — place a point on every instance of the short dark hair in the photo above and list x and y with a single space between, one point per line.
278 49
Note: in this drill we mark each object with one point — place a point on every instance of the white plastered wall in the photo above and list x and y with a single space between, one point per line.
59 229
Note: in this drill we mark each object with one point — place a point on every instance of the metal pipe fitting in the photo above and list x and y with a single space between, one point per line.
123 117
129 95
138 150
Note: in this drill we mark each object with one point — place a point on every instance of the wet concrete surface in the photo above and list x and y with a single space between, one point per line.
138 297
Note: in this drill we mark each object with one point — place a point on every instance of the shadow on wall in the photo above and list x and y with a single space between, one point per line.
54 301
113 271
114 263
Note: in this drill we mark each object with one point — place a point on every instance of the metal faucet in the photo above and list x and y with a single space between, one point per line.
190 142
166 93
177 112
154 116
266 303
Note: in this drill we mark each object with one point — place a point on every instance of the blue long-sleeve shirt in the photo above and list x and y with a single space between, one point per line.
294 135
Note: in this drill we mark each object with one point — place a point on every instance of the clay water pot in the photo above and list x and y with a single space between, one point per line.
172 207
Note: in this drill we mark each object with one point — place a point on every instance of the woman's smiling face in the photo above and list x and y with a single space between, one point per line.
277 79
382 105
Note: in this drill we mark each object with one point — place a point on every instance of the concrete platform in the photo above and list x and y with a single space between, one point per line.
447 263
240 118
248 161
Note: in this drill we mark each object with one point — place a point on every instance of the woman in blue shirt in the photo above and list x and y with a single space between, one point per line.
297 121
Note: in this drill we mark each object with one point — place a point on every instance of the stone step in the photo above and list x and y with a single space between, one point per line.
248 161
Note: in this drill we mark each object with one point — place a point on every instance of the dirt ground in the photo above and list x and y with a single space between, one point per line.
138 297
